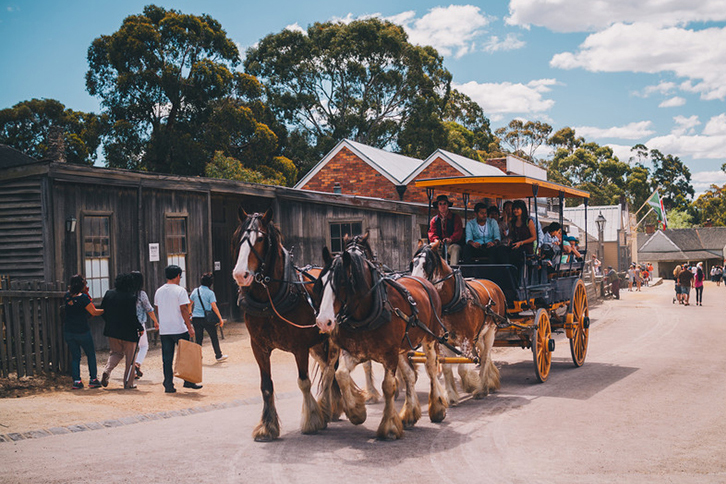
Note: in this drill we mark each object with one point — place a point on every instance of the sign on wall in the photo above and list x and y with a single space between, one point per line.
154 252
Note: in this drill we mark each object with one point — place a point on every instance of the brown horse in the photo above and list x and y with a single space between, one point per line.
278 315
375 318
467 313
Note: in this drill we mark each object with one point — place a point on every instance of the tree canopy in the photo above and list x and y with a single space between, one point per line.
29 127
168 85
362 80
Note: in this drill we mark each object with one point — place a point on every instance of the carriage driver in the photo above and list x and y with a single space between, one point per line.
447 227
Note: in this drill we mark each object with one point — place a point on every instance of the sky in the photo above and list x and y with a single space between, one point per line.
620 72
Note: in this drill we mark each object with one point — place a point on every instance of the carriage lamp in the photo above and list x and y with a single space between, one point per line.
71 225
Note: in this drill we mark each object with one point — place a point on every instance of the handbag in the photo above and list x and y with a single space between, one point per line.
209 316
188 361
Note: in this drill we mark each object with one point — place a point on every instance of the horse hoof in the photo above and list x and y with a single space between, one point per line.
263 434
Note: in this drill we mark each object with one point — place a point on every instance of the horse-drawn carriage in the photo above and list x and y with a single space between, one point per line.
546 295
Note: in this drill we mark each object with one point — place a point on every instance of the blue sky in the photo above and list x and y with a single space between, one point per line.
619 72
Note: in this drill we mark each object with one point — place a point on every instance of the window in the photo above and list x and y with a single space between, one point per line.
97 254
176 245
338 230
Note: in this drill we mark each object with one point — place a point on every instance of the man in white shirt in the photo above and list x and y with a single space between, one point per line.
172 305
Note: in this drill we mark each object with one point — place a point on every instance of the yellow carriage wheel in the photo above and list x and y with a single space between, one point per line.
580 328
542 345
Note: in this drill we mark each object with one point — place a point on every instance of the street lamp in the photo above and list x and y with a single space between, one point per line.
600 221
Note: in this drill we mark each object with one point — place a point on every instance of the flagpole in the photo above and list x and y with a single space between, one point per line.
636 225
648 199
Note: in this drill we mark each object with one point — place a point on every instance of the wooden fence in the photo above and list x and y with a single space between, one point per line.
31 339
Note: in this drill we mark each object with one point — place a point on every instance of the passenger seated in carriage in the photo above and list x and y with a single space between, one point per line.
447 227
483 239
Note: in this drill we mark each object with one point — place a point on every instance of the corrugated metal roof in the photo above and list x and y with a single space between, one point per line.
398 167
612 213
470 167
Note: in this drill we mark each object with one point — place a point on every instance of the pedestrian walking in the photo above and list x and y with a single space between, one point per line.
698 283
204 301
684 280
122 328
77 305
144 311
631 276
172 305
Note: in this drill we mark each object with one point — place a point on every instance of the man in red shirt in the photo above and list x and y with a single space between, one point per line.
447 227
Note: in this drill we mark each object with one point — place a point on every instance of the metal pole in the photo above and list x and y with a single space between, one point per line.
430 195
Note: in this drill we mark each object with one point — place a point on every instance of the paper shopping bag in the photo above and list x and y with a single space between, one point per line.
188 361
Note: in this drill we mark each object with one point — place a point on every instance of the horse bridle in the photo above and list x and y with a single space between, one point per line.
259 274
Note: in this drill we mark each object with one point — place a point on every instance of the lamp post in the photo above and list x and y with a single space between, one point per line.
600 221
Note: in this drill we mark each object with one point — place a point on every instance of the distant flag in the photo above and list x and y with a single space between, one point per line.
657 203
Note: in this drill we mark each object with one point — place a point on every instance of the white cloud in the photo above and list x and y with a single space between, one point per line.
662 87
506 97
636 130
716 126
673 102
295 28
698 147
685 125
694 55
585 16
702 181
451 30
510 42
621 151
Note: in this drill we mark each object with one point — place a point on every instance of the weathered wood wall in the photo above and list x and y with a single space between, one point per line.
21 228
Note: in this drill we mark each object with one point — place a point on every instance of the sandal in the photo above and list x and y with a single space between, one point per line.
139 373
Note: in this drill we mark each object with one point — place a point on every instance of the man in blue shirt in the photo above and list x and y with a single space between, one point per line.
482 235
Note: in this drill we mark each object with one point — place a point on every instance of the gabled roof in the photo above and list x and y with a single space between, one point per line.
684 244
396 168
466 166
612 213
10 157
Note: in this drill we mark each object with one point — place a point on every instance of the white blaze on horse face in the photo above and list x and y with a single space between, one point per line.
241 272
418 266
326 314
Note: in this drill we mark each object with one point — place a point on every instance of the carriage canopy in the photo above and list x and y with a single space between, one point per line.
501 187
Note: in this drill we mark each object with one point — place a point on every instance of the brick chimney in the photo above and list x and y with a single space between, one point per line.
56 145
709 223
649 229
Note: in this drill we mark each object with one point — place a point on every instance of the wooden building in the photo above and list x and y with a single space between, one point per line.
58 219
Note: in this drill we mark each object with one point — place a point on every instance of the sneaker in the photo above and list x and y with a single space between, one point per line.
222 358
193 386
139 373
104 379
94 383
77 385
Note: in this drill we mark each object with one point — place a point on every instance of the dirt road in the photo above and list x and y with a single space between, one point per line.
648 406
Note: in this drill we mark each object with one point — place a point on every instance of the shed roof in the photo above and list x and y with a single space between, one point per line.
10 157
683 244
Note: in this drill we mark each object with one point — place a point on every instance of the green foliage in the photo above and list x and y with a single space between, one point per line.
524 137
229 168
28 125
674 180
712 205
363 81
168 85
679 219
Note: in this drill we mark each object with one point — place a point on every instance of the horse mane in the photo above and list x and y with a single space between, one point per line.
338 275
361 242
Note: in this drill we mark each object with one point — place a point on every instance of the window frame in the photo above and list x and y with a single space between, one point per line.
178 255
82 249
329 234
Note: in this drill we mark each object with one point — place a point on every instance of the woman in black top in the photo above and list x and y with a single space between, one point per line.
522 233
122 328
77 333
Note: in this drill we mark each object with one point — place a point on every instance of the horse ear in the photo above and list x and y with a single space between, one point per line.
327 257
365 236
241 214
346 239
346 259
436 244
420 244
267 218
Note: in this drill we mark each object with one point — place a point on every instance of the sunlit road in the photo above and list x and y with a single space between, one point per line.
649 405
